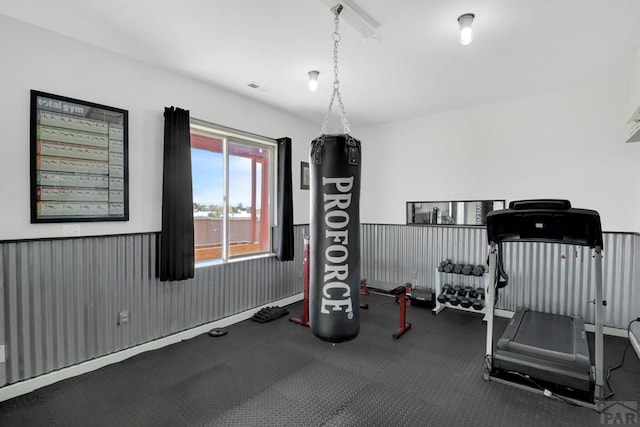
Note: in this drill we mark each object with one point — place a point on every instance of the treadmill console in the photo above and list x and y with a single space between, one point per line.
551 221
555 204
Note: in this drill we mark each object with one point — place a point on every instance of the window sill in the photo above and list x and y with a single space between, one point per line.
209 263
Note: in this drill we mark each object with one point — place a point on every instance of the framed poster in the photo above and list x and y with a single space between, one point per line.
304 176
79 161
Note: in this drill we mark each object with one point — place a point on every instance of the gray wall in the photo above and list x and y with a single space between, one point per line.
59 298
539 276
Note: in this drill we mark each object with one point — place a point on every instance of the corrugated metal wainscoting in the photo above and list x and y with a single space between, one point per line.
60 298
546 277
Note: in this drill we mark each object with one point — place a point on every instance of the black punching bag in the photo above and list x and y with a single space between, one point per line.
334 287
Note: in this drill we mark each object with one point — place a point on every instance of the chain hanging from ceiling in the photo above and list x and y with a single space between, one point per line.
336 82
334 207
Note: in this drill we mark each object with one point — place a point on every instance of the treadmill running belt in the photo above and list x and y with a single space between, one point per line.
546 346
544 330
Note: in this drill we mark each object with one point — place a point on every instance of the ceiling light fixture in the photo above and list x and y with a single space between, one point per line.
466 32
313 80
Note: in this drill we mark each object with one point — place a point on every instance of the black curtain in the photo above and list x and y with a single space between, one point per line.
284 230
176 251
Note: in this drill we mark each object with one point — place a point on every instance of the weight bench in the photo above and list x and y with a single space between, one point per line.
390 290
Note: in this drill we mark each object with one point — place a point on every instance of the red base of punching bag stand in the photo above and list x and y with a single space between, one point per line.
304 320
386 289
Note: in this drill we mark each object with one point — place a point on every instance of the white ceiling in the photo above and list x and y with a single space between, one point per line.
521 47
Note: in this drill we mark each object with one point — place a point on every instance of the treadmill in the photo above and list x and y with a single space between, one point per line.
549 352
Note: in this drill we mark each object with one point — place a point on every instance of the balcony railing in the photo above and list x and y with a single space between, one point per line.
208 238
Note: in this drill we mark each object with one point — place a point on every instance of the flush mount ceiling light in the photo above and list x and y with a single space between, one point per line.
466 32
313 80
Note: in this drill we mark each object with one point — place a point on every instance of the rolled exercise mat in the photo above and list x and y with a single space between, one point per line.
334 276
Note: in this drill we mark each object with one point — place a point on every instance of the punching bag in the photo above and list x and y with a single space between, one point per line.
334 274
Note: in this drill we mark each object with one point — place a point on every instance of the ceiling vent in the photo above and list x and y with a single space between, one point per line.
254 85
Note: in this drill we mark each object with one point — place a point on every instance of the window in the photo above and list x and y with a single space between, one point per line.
233 186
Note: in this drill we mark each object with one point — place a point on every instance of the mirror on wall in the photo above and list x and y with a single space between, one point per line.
454 212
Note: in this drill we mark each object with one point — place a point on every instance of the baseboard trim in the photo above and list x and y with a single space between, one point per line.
503 313
23 387
607 330
635 343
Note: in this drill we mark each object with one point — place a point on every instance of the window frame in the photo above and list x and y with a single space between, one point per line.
228 136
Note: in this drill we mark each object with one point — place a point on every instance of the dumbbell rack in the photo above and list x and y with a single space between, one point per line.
467 280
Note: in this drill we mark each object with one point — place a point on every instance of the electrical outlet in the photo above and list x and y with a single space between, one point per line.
123 317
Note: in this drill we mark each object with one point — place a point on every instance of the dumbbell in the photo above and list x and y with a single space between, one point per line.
464 290
467 269
480 293
454 300
466 302
458 290
457 268
444 295
478 270
443 265
448 268
477 304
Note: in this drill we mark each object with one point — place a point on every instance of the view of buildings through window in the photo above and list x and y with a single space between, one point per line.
231 205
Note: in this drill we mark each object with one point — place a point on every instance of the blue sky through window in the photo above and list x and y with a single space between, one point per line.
207 172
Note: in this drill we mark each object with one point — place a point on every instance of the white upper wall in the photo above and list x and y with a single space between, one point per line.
633 102
33 58
633 84
566 144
